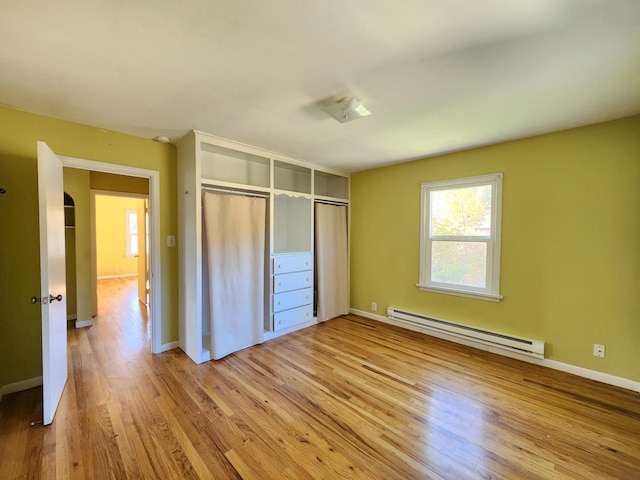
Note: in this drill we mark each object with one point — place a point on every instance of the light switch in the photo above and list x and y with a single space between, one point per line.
171 241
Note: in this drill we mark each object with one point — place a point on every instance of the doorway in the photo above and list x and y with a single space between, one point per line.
153 284
120 239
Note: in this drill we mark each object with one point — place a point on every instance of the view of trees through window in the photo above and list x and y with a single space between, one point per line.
460 226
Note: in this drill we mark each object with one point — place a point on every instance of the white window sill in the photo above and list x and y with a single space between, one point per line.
488 297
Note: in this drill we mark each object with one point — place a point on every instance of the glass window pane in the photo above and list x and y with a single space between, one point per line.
133 222
134 244
461 211
459 263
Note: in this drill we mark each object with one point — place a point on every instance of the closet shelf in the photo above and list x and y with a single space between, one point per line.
291 193
341 201
204 182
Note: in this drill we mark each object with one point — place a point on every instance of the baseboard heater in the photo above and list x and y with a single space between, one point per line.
466 334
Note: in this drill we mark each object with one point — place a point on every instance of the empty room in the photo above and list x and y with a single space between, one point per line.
367 240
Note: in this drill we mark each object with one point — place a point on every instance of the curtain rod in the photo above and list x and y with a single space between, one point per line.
333 202
244 193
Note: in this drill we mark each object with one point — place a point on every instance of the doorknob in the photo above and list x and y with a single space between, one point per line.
51 298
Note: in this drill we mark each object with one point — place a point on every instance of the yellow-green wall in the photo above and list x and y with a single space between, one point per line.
76 184
570 270
70 270
111 249
20 326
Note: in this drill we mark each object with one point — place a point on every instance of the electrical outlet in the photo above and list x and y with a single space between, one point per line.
374 306
598 350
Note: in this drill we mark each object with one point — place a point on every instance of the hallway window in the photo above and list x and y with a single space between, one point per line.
131 217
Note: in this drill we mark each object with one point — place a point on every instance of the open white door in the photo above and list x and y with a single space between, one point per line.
53 280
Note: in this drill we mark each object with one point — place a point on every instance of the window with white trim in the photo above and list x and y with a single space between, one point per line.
131 219
460 237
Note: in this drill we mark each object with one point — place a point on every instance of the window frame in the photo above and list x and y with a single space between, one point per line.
128 234
492 290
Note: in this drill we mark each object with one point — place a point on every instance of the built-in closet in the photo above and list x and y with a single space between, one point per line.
279 285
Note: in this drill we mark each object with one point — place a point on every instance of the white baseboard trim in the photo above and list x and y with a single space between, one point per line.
165 347
372 316
73 316
554 364
20 386
591 374
125 275
84 323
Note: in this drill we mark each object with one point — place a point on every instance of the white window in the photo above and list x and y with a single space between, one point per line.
460 237
131 219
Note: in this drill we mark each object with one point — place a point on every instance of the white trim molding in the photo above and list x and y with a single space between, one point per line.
461 293
84 323
554 364
165 347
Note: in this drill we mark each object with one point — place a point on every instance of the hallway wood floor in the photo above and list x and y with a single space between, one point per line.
349 398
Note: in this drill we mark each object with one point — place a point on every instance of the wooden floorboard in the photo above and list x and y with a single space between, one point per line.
349 398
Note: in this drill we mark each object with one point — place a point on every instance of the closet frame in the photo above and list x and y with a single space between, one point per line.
208 161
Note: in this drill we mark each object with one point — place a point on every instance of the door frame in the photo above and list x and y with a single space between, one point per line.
155 272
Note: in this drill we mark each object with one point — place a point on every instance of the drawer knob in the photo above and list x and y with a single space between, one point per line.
279 266
278 303
279 284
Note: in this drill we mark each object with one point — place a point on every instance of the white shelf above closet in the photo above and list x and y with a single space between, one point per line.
229 186
291 177
232 166
330 186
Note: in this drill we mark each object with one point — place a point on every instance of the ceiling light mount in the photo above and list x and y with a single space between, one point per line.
346 109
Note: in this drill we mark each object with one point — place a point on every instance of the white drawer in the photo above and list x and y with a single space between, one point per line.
292 317
295 298
292 281
292 263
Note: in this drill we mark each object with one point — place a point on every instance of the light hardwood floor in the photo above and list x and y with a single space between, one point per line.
350 398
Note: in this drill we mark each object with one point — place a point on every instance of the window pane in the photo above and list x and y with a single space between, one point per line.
133 247
133 222
459 263
461 211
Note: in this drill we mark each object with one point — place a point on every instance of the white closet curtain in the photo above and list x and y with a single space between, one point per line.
331 260
234 228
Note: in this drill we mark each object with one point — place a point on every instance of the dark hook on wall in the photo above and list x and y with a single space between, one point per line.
2 190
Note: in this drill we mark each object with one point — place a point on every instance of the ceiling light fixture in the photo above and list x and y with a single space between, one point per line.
162 139
346 109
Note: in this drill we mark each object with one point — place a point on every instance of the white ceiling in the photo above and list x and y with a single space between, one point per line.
438 75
